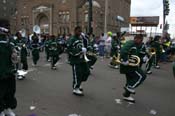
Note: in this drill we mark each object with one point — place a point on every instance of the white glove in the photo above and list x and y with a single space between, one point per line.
125 63
24 45
84 50
145 59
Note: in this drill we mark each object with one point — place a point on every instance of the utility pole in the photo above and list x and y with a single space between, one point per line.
106 14
90 17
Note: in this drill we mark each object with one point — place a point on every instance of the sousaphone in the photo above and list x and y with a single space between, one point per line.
36 29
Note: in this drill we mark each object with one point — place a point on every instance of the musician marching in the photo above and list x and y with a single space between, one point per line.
143 54
114 52
46 45
151 56
158 48
35 49
89 44
54 51
134 74
20 45
21 64
7 75
79 65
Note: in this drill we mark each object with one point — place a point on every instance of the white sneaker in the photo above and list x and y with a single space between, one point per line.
9 112
54 67
19 77
149 72
91 67
129 99
157 67
2 114
81 88
34 65
116 67
77 92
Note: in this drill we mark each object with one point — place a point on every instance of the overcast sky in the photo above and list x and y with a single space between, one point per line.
154 8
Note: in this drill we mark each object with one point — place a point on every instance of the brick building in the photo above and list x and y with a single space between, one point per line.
7 9
61 16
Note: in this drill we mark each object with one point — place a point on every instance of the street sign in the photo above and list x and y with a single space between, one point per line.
144 21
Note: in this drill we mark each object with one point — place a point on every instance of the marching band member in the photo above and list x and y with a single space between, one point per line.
91 51
35 49
89 45
7 77
47 42
21 48
157 46
150 56
20 44
80 67
54 51
134 74
114 52
142 54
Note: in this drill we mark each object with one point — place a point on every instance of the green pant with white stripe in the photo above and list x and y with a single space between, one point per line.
135 78
80 74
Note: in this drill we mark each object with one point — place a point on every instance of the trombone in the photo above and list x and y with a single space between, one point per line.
152 53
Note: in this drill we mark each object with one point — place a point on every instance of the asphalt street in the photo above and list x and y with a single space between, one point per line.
47 92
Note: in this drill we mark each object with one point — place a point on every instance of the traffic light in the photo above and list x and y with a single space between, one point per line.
166 7
166 26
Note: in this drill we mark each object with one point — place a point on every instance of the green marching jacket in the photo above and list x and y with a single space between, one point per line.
54 48
157 46
114 47
129 48
74 48
20 43
6 65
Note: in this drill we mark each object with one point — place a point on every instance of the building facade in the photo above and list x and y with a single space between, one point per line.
61 16
7 9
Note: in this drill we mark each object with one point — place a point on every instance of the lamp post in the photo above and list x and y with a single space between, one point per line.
106 16
90 17
120 19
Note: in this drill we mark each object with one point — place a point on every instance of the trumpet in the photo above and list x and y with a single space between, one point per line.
133 60
152 51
